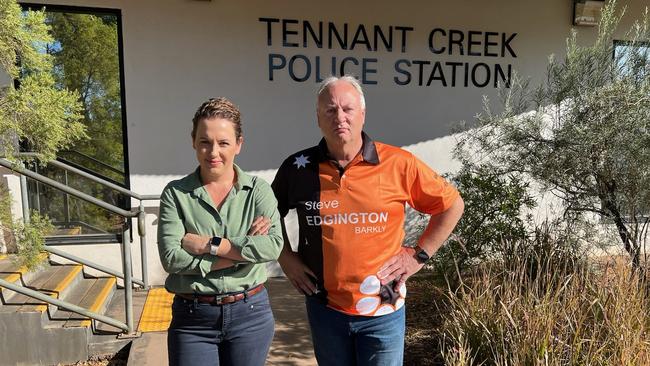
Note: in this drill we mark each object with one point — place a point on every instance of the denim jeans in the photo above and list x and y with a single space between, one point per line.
347 340
232 334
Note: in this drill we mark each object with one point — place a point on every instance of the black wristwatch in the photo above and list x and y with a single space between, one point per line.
420 255
214 244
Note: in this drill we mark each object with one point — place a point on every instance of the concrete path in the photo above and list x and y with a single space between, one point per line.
291 344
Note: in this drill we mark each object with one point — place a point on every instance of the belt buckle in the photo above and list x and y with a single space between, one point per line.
224 299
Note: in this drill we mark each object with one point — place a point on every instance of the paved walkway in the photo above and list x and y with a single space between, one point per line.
291 344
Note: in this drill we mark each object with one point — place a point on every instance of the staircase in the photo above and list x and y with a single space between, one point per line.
36 333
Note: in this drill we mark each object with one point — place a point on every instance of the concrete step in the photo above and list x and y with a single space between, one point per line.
12 272
105 338
78 292
63 336
96 300
58 286
26 338
14 301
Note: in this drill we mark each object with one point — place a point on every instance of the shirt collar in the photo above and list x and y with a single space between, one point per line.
368 150
193 181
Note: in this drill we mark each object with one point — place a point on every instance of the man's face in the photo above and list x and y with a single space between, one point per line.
340 116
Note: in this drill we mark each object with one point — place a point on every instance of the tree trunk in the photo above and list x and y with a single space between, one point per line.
630 245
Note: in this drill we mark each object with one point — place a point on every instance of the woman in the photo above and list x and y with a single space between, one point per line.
217 227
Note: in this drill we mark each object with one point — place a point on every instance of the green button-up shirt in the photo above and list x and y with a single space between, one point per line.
186 207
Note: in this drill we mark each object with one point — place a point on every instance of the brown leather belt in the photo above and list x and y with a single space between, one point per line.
223 299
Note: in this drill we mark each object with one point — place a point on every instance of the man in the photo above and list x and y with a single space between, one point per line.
349 193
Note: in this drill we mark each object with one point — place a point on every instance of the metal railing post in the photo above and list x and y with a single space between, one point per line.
142 231
66 201
126 269
37 196
24 198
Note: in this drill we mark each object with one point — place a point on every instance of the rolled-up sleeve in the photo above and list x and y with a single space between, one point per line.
171 230
262 248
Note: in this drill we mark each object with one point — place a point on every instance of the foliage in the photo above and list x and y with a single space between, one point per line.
565 315
30 239
587 139
37 112
86 60
6 219
495 208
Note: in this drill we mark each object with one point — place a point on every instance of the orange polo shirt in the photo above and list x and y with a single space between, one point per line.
351 221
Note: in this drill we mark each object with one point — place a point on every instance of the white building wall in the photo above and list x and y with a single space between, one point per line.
179 53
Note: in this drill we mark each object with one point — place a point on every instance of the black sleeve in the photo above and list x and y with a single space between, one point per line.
280 188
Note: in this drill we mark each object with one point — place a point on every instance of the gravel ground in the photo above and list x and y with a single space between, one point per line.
118 359
424 311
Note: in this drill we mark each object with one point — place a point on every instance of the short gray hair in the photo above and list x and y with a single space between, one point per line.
347 78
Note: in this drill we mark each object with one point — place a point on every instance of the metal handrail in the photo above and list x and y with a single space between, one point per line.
140 213
62 165
62 187
63 304
94 160
88 263
90 171
126 250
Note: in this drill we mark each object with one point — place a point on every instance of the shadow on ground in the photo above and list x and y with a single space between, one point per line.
292 342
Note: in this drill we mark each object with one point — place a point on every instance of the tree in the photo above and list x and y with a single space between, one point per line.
37 112
86 60
587 137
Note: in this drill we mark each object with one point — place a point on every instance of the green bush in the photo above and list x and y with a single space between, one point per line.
29 238
495 212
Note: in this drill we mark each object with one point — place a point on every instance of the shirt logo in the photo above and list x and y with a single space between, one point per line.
301 161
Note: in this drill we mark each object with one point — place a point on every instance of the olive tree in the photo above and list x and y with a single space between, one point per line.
583 134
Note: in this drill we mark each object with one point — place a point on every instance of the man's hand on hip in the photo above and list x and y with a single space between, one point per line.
399 267
297 272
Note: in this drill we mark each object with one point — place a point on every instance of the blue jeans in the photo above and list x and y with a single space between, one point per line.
210 335
342 340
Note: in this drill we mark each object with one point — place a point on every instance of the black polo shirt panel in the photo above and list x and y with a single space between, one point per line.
297 186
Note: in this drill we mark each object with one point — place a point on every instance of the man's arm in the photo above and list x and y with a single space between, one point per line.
293 267
403 265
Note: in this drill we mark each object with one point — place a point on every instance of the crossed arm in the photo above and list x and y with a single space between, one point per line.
228 254
262 243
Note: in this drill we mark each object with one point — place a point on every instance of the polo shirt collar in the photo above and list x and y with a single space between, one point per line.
193 181
368 150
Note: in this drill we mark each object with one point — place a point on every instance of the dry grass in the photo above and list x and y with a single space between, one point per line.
561 315
553 312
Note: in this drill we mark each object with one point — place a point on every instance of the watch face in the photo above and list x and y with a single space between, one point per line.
422 256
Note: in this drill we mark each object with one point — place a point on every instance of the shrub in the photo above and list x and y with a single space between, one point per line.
495 212
568 313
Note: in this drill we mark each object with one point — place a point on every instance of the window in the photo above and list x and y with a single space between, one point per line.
87 56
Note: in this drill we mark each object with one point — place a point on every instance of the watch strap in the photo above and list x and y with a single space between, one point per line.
421 255
214 244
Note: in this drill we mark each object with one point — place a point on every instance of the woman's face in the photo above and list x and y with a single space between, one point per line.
216 145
